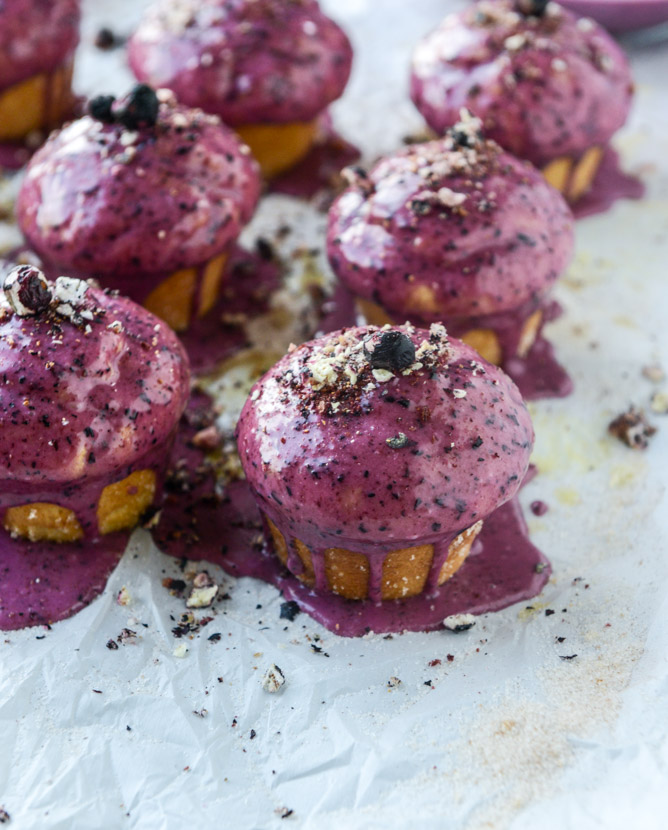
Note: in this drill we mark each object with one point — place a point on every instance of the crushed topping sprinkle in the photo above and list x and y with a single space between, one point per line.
27 292
346 358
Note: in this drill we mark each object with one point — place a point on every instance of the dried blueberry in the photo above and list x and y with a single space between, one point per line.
391 350
141 108
289 610
535 8
27 290
101 108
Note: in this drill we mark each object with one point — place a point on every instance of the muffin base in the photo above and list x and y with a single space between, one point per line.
573 177
395 574
187 294
278 147
41 102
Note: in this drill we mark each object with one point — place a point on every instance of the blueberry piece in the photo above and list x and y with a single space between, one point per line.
535 8
141 108
289 610
27 290
392 350
101 108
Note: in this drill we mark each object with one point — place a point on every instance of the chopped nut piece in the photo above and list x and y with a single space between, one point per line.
632 428
202 597
654 373
459 622
397 442
273 679
393 682
181 650
123 597
207 439
659 403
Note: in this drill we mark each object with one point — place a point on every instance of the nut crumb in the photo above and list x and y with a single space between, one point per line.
654 373
632 428
393 682
459 622
659 402
273 679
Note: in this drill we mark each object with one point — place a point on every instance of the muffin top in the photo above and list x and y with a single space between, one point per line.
249 61
35 36
139 186
545 82
478 229
89 381
379 437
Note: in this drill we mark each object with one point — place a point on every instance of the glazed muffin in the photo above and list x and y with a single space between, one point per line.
268 68
549 86
375 455
145 195
37 43
455 230
92 389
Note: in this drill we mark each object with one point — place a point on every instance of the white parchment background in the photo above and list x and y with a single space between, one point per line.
507 734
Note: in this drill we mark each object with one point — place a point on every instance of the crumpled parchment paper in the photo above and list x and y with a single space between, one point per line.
488 728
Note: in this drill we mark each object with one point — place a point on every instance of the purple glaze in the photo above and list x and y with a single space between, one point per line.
622 15
245 293
610 184
249 61
98 397
41 583
200 523
544 86
36 36
91 390
481 229
132 207
380 464
13 156
539 508
317 174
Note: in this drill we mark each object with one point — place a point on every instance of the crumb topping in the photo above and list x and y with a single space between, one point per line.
27 293
632 428
349 365
462 158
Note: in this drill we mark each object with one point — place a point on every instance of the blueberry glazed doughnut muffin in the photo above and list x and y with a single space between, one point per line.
458 231
37 43
92 387
549 86
376 454
268 68
145 195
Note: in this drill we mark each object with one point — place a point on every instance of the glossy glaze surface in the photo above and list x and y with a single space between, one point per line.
82 398
478 229
378 465
544 86
249 61
134 205
36 36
